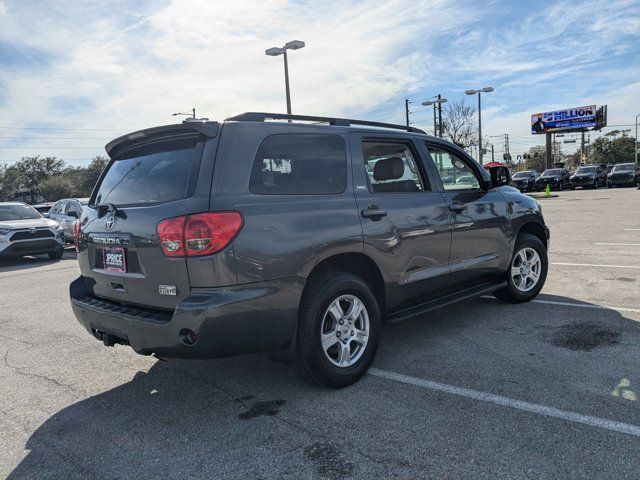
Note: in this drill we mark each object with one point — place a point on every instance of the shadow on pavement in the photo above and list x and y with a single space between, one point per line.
215 419
15 264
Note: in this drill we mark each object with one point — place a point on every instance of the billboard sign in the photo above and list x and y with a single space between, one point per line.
564 120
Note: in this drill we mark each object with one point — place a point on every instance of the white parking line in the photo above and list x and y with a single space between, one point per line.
632 229
593 265
619 427
621 244
579 305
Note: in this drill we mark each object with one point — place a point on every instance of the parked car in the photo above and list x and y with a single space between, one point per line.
556 178
525 181
624 174
24 231
588 176
43 208
66 212
208 239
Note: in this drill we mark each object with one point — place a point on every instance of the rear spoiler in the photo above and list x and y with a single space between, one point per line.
205 127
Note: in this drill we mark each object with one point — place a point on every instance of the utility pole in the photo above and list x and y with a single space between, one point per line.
548 160
636 144
492 156
406 109
440 102
507 155
581 145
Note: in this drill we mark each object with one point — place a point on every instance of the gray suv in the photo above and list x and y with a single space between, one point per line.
299 236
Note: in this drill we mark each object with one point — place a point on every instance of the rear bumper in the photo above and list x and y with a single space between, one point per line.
30 247
227 321
621 181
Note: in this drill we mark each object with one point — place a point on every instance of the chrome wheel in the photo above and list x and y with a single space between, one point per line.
525 269
344 331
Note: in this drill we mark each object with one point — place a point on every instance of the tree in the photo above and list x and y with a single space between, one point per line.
537 156
35 170
459 123
10 181
612 147
55 188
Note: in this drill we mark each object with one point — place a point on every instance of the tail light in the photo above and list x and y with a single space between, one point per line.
76 235
197 235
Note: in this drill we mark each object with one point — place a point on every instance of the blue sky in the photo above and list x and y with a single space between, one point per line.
75 74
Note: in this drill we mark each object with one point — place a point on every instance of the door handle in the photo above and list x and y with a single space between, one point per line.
457 207
373 212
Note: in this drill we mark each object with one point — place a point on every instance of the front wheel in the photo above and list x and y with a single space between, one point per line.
57 255
338 330
527 272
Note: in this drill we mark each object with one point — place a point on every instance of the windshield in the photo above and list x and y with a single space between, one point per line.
554 172
522 174
588 169
161 172
627 167
17 212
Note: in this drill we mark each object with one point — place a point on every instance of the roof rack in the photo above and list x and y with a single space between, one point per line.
342 122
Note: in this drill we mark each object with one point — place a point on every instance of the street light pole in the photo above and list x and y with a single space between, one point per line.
438 100
479 93
276 51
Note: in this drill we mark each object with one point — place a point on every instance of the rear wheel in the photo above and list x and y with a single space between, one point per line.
338 331
527 272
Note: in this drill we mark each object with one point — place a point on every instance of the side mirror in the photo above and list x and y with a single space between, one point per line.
500 176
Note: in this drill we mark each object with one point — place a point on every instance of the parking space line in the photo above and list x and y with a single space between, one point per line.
632 229
621 244
579 305
567 415
593 265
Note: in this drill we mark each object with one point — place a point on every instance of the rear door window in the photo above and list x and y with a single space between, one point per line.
391 167
300 164
155 172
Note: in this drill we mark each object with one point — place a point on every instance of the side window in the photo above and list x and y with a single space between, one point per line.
391 167
454 171
73 207
300 164
60 207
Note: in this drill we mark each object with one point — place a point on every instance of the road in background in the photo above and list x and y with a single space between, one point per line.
446 398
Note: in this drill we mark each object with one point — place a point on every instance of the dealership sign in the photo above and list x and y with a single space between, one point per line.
564 120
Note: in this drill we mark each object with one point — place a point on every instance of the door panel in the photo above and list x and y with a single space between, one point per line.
480 242
405 225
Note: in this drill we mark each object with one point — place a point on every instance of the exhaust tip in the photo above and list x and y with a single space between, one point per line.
188 337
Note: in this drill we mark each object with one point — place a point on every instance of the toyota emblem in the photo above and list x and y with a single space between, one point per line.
111 221
32 230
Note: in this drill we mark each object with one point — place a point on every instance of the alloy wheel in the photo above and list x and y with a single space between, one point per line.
526 269
344 331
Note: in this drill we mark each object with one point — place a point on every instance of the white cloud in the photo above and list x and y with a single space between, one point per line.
124 66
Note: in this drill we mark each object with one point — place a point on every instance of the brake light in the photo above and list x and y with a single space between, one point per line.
200 234
76 235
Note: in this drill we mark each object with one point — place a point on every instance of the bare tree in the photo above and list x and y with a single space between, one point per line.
459 123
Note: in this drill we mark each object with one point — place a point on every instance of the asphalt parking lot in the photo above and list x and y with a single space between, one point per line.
549 389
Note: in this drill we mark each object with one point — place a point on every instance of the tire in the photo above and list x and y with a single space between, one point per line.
595 185
513 293
572 187
57 255
318 314
559 186
609 185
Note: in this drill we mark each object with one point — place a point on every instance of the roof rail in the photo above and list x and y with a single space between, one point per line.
342 122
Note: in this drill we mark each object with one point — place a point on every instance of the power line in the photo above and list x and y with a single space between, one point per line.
69 129
60 138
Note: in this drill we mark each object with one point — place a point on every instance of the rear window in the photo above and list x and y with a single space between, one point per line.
300 164
154 172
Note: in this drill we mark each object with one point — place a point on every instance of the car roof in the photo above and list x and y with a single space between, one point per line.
211 128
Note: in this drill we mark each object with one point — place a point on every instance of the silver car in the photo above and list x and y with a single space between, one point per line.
65 212
24 231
